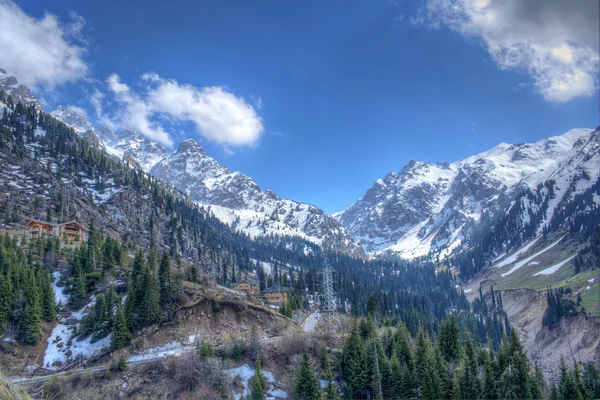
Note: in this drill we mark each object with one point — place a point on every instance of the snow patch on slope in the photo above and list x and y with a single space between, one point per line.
554 268
526 260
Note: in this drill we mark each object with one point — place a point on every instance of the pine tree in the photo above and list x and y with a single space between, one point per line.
468 385
425 371
78 294
258 383
30 322
568 387
329 392
121 336
489 380
449 339
307 386
48 301
373 309
100 313
164 280
354 365
6 298
150 298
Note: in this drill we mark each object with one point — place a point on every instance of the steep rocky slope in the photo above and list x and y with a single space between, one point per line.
19 93
432 207
237 200
232 197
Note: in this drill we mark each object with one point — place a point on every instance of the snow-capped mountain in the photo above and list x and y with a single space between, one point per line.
127 143
75 118
237 200
135 145
19 93
232 197
432 207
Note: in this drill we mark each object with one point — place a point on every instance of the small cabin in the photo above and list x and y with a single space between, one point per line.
247 286
275 294
71 232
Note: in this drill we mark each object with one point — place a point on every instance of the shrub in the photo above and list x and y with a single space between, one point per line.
206 350
122 366
191 372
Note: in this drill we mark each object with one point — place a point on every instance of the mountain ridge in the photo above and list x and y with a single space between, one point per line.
431 207
233 197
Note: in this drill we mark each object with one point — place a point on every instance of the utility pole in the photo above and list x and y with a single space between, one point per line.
331 319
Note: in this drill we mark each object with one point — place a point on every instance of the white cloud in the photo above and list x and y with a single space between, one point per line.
556 41
135 112
217 114
40 52
78 110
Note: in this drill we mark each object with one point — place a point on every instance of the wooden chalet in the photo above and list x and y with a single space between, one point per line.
275 294
71 231
247 286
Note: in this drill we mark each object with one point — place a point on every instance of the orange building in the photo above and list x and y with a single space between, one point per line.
275 294
247 286
71 231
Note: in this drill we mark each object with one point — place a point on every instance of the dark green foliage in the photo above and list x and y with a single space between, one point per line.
121 336
307 385
467 384
404 373
259 383
373 309
449 339
330 391
142 307
558 307
206 350
354 365
285 308
26 295
428 381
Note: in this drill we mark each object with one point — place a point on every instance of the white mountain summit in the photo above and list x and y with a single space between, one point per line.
431 207
232 197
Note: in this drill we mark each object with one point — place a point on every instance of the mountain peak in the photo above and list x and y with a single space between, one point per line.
20 93
190 145
75 117
428 207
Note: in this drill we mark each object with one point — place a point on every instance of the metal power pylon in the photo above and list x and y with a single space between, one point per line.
331 320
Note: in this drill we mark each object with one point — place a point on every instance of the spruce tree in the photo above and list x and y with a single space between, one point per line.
307 386
78 295
449 339
30 322
568 387
258 383
427 378
354 365
468 385
121 336
329 392
5 299
48 301
164 280
489 380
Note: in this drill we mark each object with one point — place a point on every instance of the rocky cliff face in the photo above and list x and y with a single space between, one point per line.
432 207
237 200
126 144
19 93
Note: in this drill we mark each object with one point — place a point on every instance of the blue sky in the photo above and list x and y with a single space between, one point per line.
343 91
